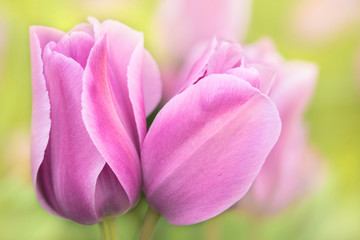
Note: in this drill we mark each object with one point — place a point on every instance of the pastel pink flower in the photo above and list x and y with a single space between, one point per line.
88 119
292 168
209 142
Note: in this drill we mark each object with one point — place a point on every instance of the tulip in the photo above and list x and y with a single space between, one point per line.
88 119
291 169
209 142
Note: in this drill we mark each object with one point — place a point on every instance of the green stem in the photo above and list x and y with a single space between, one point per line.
151 219
108 228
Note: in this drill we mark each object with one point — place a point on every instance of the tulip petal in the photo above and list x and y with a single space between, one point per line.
118 68
77 46
278 181
70 152
267 77
224 59
151 83
83 27
40 119
206 146
136 92
293 93
248 74
110 196
106 129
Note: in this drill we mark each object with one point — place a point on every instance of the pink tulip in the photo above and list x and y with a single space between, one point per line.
208 143
291 167
88 119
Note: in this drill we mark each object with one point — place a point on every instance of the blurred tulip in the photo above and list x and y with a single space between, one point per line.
318 20
88 119
292 167
181 24
208 143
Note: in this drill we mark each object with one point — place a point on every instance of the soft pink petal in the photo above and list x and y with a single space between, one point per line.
77 46
194 66
263 52
119 59
152 85
205 148
293 92
83 27
279 180
136 92
251 75
267 77
70 152
224 59
40 119
105 127
110 196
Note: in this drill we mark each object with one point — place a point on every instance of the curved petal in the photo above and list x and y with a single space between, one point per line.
136 92
206 146
128 105
110 196
77 46
251 75
293 91
279 180
70 152
267 77
152 85
224 59
40 118
104 126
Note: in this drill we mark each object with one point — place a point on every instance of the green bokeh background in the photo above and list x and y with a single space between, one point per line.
333 212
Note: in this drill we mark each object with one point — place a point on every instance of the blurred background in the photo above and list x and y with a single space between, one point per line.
326 32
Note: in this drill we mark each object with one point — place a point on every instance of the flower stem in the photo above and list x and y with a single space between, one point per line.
108 228
151 219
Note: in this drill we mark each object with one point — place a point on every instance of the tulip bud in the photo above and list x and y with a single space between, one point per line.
209 142
88 119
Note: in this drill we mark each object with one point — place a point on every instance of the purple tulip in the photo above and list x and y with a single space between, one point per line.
88 119
208 143
292 167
